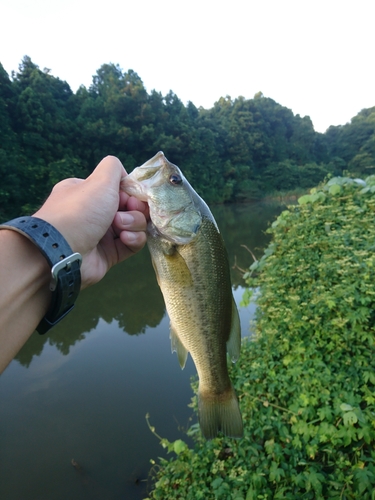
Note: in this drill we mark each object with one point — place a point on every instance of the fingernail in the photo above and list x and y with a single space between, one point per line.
127 219
131 237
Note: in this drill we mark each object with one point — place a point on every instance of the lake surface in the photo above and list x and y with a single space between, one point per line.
82 391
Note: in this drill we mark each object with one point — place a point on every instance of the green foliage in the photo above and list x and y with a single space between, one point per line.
353 144
240 149
307 382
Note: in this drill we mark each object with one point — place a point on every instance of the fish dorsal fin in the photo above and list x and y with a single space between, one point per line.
234 341
177 346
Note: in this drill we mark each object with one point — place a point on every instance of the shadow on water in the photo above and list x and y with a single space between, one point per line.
64 399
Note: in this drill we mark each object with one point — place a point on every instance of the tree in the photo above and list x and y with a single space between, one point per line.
354 143
237 150
10 185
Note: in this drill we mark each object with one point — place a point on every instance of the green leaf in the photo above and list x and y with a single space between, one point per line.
319 196
304 199
276 473
216 482
331 303
251 494
179 446
315 480
335 189
350 418
346 407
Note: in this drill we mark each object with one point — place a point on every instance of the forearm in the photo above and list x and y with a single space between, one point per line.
24 292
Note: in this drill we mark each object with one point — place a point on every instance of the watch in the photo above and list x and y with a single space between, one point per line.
65 265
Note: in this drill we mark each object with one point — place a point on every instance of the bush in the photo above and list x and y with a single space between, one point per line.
307 382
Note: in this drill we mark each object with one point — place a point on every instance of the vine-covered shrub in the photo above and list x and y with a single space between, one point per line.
307 382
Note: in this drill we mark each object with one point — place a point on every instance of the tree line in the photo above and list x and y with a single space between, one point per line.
240 149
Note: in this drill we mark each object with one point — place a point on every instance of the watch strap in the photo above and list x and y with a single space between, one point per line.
65 266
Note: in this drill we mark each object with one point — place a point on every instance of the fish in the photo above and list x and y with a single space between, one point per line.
192 269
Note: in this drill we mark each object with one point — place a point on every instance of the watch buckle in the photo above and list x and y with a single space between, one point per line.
63 264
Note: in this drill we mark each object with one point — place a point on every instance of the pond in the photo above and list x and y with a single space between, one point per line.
82 391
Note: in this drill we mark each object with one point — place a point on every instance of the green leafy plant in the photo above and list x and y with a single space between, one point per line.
306 383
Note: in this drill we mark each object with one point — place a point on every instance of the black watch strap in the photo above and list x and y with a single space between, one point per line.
65 266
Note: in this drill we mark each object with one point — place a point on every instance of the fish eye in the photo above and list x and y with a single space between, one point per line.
175 179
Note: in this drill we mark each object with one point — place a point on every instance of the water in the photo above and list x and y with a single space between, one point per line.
82 391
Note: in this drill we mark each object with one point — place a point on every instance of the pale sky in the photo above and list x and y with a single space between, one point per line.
315 57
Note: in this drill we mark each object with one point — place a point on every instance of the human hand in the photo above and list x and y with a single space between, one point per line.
104 225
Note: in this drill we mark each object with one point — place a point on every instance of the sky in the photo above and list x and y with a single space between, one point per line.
314 57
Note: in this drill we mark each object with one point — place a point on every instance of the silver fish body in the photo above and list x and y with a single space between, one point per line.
192 270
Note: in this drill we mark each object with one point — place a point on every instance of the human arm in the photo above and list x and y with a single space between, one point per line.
102 224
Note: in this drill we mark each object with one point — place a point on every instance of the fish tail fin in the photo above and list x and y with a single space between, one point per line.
220 413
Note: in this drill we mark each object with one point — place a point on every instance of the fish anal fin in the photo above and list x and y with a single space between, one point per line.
220 414
234 341
177 346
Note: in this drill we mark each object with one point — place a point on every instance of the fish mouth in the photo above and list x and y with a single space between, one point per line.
130 185
157 161
144 178
132 188
149 169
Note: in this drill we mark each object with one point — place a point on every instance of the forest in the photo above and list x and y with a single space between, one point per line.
239 150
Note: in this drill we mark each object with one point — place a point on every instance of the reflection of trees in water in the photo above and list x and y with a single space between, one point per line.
142 303
33 347
245 224
129 294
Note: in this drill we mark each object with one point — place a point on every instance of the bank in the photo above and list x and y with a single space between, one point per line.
306 384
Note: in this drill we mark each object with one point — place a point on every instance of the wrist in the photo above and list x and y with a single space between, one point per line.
28 257
24 292
63 224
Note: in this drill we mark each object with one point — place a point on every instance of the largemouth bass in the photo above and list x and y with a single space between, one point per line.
192 270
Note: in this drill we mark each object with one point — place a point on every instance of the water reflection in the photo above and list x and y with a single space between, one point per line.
245 224
128 294
65 398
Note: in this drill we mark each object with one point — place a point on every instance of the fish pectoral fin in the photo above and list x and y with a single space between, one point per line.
177 346
156 271
234 341
179 271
